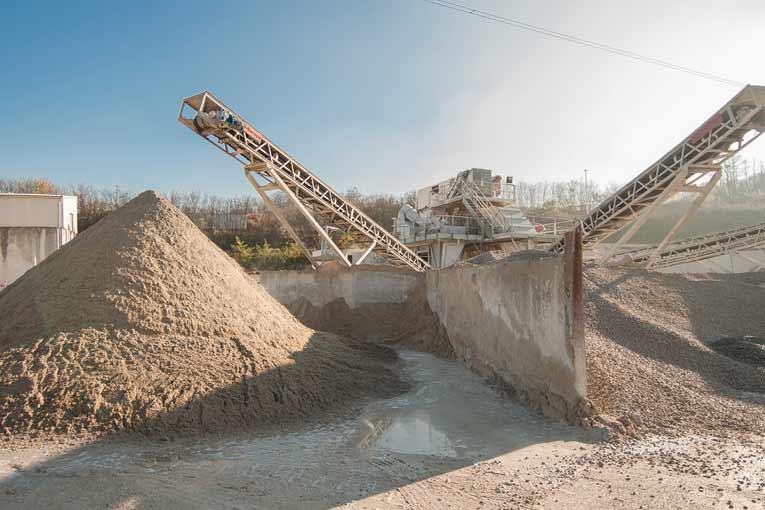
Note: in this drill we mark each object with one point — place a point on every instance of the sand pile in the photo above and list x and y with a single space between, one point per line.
142 323
647 350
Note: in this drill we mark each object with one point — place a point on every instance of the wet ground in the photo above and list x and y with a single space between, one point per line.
450 442
452 413
449 419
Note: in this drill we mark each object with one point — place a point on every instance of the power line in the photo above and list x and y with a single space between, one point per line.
582 42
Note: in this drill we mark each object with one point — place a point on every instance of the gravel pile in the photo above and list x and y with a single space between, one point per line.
142 323
748 349
647 356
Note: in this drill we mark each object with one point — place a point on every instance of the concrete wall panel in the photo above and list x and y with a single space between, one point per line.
357 286
23 248
511 321
31 228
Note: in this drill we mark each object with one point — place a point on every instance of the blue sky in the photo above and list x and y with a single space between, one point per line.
384 95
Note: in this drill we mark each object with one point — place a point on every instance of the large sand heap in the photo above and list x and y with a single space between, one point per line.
647 351
142 323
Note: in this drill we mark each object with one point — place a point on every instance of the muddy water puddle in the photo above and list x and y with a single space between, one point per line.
449 412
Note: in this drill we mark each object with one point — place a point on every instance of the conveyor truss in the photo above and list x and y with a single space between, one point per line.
269 168
700 248
693 166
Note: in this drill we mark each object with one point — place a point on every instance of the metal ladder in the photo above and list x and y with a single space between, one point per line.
314 198
738 123
479 207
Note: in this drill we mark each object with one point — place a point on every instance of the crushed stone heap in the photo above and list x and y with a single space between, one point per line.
142 323
648 349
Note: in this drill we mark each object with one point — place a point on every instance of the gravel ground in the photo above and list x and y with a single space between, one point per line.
414 451
647 356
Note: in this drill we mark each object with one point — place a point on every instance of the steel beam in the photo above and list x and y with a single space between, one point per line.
316 225
703 193
279 216
366 253
644 215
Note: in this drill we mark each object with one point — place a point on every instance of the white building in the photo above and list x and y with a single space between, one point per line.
31 228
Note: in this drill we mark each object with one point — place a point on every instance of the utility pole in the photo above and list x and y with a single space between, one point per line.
586 193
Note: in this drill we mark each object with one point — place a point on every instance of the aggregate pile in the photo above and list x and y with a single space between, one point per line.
648 349
142 323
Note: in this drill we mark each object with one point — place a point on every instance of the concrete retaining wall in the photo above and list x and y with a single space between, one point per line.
357 286
513 321
518 322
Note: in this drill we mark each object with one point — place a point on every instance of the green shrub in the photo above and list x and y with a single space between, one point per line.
288 257
266 257
243 253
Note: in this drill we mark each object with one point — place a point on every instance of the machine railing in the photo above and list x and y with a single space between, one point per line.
477 204
553 225
441 223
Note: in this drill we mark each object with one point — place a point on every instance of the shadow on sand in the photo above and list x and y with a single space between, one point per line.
354 447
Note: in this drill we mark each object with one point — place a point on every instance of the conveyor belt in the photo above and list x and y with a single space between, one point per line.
730 129
219 125
699 248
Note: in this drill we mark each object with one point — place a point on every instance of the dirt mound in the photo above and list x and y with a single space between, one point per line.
142 323
646 351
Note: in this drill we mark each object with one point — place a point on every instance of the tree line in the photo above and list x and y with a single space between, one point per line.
743 180
246 216
222 218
